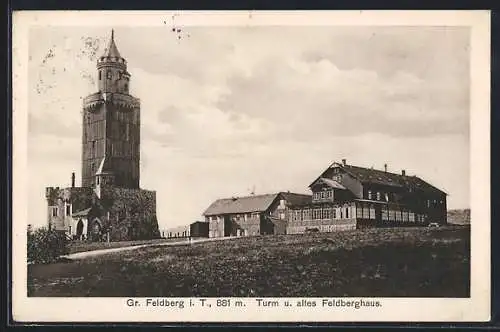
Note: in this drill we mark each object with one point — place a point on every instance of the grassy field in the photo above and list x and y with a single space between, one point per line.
416 262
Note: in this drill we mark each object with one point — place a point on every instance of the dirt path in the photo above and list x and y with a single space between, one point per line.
98 252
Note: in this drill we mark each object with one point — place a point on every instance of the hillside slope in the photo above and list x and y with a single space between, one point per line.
459 216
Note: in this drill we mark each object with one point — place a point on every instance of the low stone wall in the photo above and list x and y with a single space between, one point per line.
322 225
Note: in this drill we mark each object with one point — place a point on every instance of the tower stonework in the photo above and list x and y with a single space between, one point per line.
109 205
111 125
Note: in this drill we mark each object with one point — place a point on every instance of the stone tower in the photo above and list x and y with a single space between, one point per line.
111 126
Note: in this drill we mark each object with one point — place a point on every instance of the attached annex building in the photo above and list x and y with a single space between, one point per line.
109 205
252 215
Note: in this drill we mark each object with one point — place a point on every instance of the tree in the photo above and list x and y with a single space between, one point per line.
46 245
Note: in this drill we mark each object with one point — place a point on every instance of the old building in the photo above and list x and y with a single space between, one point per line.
252 215
109 204
197 229
349 197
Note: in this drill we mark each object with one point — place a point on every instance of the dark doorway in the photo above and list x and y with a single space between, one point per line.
96 230
79 229
227 226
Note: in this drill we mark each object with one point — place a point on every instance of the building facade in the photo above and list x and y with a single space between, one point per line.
347 197
109 205
252 215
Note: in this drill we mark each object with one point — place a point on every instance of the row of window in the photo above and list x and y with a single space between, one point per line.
67 210
236 217
380 196
321 213
365 212
109 75
327 194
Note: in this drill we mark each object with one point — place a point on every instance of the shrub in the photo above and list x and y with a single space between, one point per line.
45 245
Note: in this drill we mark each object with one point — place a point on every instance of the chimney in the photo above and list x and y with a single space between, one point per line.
73 180
385 167
344 162
403 173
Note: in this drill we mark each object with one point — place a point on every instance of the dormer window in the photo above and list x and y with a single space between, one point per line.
369 194
378 196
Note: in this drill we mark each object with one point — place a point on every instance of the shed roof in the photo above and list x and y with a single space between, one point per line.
296 199
81 213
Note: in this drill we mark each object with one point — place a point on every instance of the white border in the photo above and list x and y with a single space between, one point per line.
477 308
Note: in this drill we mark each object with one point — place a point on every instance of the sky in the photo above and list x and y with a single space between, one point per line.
228 110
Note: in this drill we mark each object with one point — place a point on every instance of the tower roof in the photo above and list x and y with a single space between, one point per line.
112 51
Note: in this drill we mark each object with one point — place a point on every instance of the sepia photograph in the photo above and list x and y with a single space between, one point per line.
171 159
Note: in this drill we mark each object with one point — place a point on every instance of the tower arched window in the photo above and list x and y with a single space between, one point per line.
108 74
100 72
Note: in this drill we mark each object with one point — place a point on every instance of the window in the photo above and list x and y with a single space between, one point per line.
378 195
68 210
108 74
334 212
347 212
359 212
98 178
398 216
411 217
100 75
385 214
428 203
54 212
369 194
405 216
372 212
366 212
387 197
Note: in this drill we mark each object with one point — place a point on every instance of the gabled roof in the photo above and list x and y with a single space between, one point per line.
374 176
329 182
246 204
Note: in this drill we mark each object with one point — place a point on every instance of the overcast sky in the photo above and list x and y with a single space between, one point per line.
225 110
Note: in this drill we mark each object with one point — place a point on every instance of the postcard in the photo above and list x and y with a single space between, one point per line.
251 166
